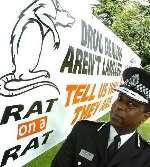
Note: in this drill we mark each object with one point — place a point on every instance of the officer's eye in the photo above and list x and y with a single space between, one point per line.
131 104
119 97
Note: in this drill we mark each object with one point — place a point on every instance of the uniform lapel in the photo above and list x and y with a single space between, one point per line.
128 150
102 139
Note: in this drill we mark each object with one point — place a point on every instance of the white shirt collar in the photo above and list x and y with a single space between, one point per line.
123 138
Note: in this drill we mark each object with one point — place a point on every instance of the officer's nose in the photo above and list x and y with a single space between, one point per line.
121 106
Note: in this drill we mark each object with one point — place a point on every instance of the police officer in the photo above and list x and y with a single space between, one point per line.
116 143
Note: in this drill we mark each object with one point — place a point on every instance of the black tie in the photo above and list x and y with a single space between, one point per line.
112 149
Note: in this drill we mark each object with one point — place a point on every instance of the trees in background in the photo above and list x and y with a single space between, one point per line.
130 21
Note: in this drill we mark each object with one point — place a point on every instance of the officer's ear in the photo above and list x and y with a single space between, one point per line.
146 115
146 111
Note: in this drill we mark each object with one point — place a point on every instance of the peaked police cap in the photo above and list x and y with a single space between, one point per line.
136 84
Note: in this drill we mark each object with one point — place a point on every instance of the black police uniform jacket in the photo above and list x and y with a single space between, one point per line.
86 147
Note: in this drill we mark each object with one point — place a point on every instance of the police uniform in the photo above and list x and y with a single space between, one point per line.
87 143
86 146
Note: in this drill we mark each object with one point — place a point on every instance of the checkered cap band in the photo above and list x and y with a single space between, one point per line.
132 94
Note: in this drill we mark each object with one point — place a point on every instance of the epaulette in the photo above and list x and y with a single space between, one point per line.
92 123
101 125
88 122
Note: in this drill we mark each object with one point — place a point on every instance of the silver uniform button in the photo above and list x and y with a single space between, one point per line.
79 163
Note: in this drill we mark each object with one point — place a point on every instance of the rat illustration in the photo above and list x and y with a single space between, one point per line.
35 22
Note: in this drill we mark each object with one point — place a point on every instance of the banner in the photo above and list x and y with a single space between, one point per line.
59 64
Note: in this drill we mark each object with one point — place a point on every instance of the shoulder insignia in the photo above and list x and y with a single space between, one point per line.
102 124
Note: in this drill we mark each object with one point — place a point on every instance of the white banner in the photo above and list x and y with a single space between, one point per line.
59 64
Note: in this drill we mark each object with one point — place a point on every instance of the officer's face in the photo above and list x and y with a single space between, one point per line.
127 114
